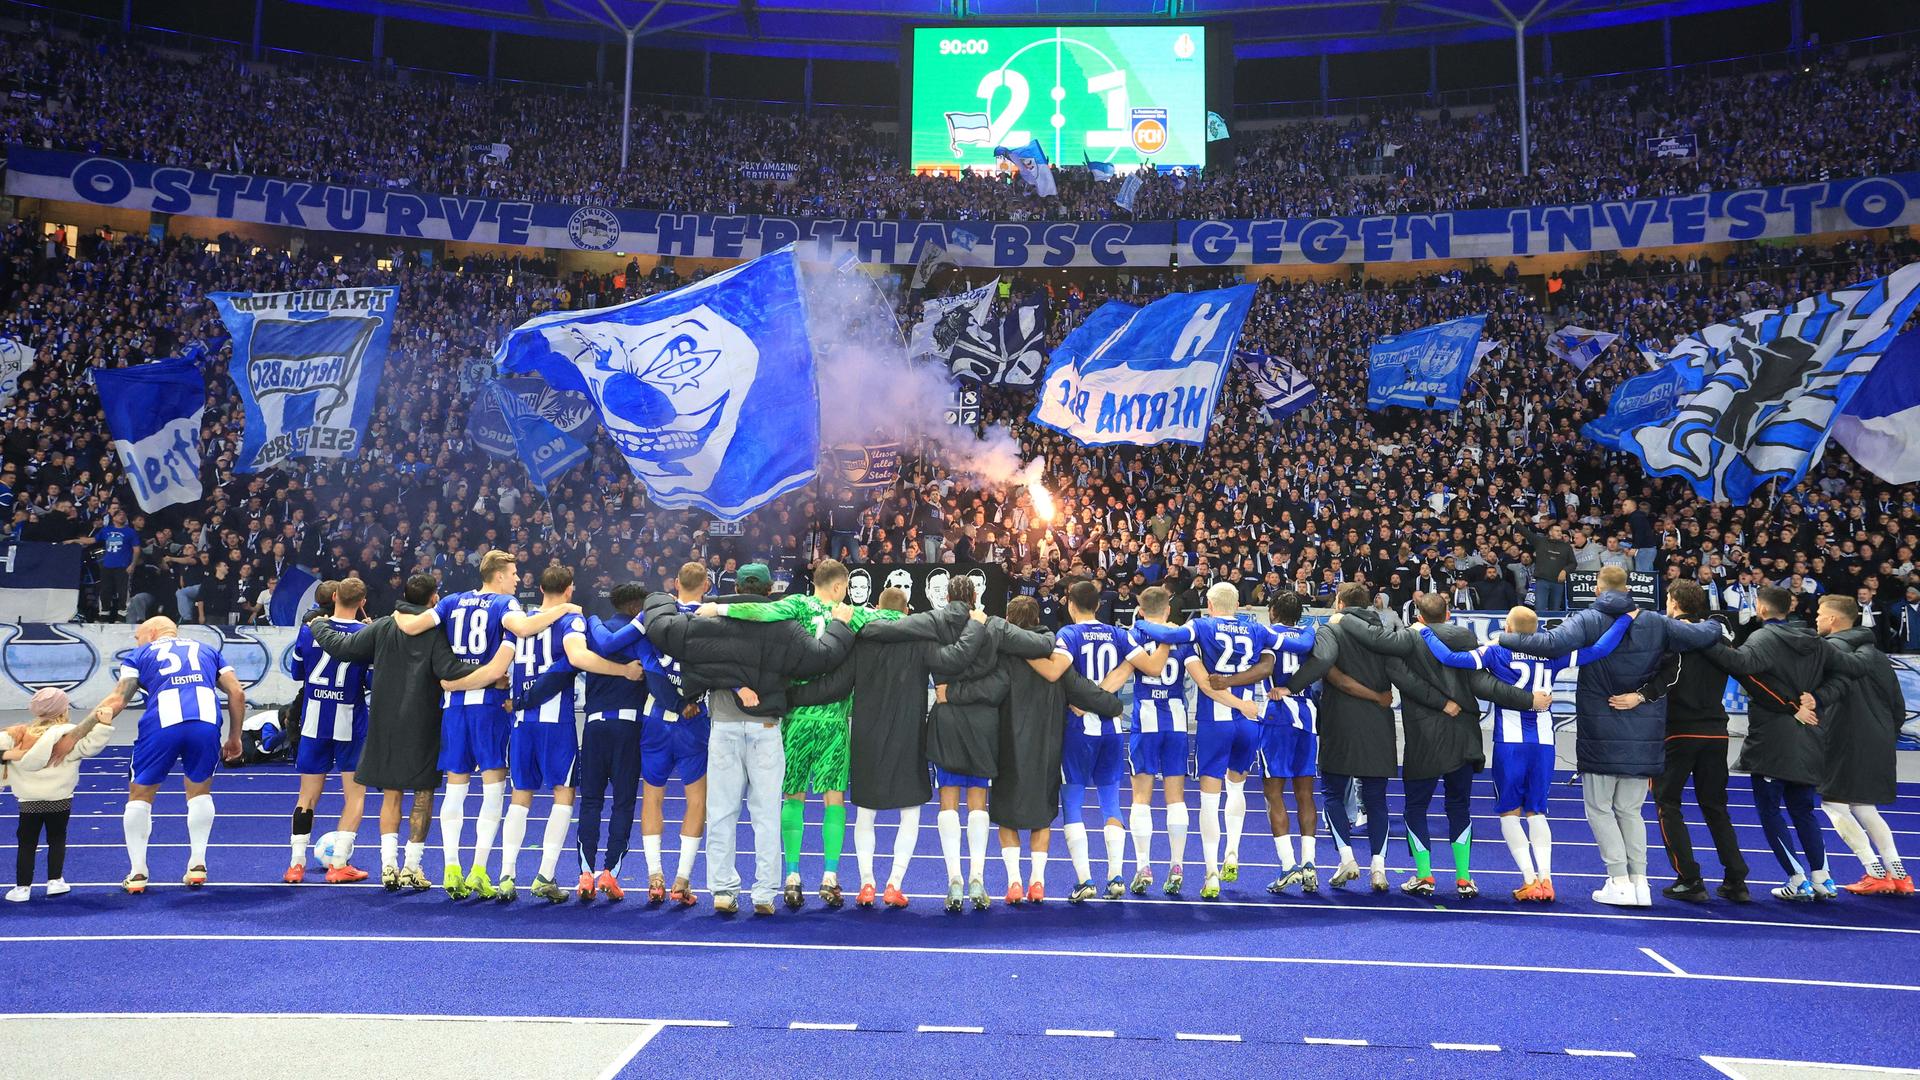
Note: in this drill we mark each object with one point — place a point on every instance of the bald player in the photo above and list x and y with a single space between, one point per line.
182 680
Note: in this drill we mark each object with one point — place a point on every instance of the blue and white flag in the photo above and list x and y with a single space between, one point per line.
1032 163
308 366
1145 375
967 129
1426 368
1282 389
1100 170
293 595
1644 399
154 411
15 360
40 583
707 390
527 419
1765 412
1129 191
1579 347
1881 427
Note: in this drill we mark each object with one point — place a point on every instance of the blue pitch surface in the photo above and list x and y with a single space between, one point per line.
1250 980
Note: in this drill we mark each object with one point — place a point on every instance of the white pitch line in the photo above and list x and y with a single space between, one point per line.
806 1025
411 1017
1077 1033
1731 1067
1572 1052
955 950
1184 1036
950 1029
615 1067
1662 961
1313 1040
1289 904
1479 1048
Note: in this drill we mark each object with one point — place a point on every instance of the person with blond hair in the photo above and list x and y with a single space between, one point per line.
43 765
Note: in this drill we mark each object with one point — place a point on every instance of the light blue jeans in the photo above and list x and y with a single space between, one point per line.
745 760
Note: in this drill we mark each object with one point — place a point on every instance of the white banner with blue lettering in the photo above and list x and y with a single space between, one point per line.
707 390
1872 202
1425 368
1145 375
307 365
154 412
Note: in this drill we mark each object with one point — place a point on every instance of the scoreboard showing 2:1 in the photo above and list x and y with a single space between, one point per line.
1125 95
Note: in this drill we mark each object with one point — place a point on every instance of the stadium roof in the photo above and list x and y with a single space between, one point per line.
871 29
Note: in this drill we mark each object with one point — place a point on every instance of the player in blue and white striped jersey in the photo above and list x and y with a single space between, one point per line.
474 723
182 680
1158 747
1227 731
332 714
1523 741
544 746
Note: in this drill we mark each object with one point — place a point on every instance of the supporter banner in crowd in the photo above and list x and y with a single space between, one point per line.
1282 389
1426 368
84 660
926 583
308 366
1881 428
1644 399
487 423
1144 375
1749 214
40 581
707 390
1766 409
154 412
779 172
293 595
867 466
541 445
15 360
1578 346
1581 583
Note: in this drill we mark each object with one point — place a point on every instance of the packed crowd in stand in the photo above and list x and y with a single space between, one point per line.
354 125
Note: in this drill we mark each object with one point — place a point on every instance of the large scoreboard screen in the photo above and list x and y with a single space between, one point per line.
1126 95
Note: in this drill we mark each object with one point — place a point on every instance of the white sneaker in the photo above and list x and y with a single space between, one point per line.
18 894
1617 892
1642 892
58 887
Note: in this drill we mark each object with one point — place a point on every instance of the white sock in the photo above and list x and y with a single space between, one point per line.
486 827
1514 829
453 821
1140 818
1210 830
1306 849
136 824
512 838
1542 835
343 849
650 844
1876 827
1039 861
1379 861
978 828
864 841
1077 851
949 824
199 828
1284 845
689 850
1010 858
905 839
389 851
1178 820
559 816
416 849
1236 818
1116 850
300 848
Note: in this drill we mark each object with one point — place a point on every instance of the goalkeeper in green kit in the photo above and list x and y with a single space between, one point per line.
814 736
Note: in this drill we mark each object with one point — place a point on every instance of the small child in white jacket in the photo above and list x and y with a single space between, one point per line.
44 787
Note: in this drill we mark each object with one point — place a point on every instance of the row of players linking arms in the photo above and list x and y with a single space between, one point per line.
747 698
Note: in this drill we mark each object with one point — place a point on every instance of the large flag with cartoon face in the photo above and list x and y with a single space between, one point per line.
1767 408
307 365
708 390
